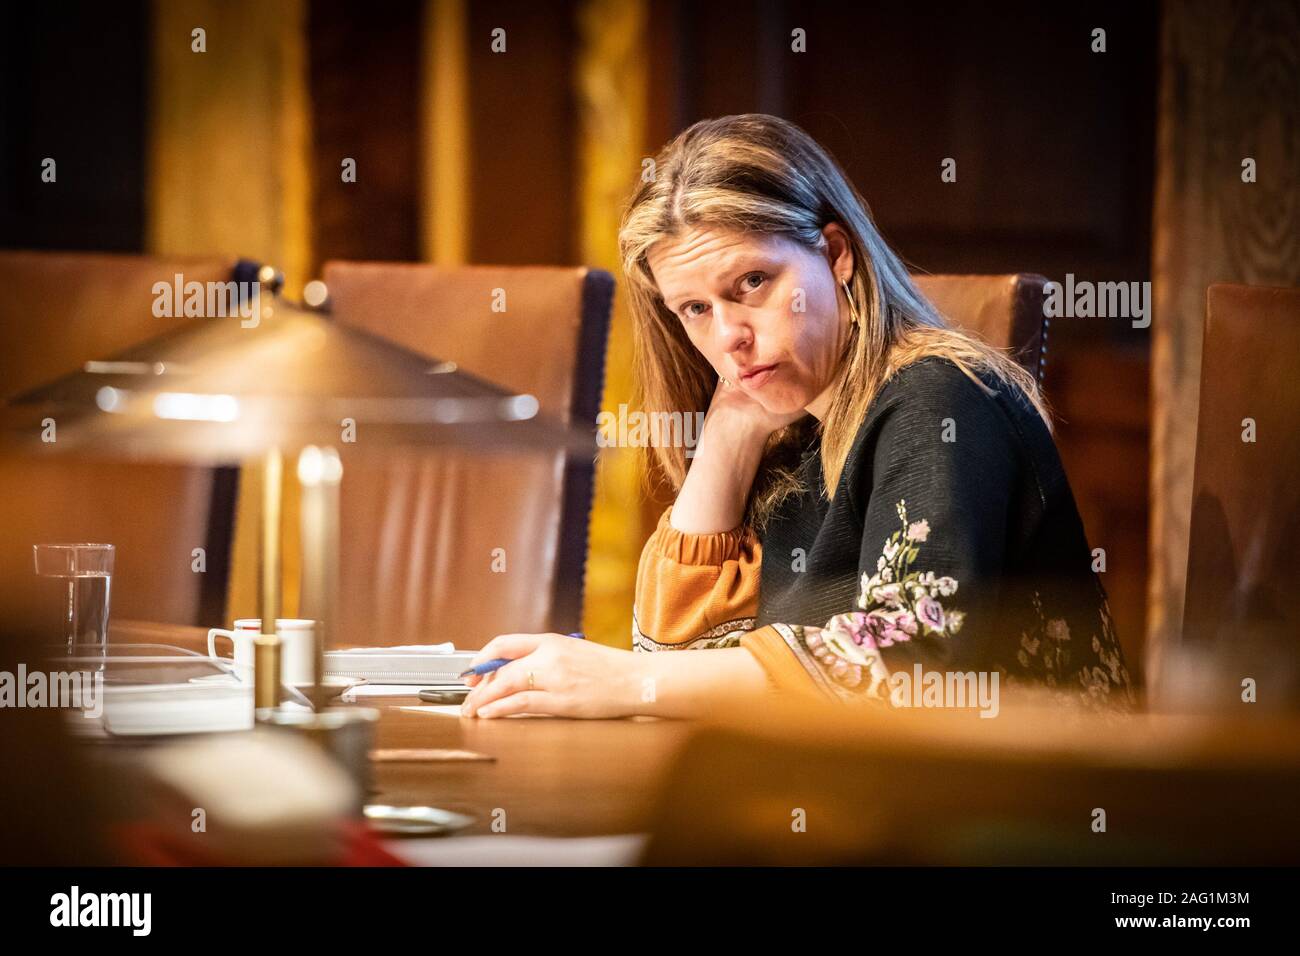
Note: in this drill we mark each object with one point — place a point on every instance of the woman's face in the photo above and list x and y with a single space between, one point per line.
763 309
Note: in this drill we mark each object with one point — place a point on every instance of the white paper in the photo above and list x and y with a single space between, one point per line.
623 849
451 710
382 690
447 647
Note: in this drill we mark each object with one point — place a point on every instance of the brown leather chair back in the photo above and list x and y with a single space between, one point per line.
453 546
1004 310
1243 560
57 311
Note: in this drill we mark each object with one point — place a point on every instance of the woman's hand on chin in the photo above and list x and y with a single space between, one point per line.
741 411
571 678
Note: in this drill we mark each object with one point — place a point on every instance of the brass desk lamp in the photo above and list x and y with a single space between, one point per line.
221 390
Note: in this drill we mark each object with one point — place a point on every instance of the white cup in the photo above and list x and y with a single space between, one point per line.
297 647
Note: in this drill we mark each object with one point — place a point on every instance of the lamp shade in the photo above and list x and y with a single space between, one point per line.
219 390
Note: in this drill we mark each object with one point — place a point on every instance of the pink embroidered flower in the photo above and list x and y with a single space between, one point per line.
856 625
876 627
846 638
897 602
901 627
891 595
930 612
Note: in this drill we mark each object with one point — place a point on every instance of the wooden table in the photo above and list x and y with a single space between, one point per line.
1223 785
550 776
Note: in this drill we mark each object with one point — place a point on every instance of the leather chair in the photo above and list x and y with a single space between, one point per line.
452 546
57 311
1004 310
1243 559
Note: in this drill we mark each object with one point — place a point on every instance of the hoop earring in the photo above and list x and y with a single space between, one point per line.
853 307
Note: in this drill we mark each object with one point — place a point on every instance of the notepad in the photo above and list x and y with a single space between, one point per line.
178 708
422 664
446 647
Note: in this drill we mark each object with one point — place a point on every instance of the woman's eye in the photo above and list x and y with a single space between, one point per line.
748 283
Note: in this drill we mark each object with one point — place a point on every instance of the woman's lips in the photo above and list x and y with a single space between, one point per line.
758 376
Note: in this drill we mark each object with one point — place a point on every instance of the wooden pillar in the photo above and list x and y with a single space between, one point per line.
228 175
611 85
444 118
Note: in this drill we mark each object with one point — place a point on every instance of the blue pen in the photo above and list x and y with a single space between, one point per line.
487 667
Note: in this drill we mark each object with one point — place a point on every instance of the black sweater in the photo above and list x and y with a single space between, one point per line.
954 532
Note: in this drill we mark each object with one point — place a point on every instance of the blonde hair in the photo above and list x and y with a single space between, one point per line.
759 173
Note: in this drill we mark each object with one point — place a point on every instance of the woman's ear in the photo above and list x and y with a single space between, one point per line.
839 250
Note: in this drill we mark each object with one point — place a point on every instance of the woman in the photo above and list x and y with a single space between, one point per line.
873 491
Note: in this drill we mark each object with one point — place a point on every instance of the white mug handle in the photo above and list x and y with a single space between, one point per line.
234 637
213 634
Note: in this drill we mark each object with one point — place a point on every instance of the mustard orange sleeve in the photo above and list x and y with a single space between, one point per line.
804 661
695 590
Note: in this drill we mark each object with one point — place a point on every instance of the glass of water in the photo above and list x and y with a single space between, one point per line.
83 573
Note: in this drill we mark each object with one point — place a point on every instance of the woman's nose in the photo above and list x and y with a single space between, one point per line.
733 330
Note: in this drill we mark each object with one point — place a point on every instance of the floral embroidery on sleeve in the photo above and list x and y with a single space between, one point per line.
726 634
897 604
1048 656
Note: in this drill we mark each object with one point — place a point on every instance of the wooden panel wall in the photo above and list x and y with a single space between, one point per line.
1227 93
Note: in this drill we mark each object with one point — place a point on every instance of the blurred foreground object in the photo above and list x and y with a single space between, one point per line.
266 377
217 392
261 798
58 311
1035 785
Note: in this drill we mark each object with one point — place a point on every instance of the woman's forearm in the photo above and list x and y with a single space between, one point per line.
712 498
688 683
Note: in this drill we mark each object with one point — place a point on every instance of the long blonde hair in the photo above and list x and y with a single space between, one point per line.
759 173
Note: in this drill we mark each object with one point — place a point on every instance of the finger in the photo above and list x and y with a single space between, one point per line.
509 646
524 702
506 680
473 681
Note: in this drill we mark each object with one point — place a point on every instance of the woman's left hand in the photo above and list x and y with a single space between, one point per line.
570 678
